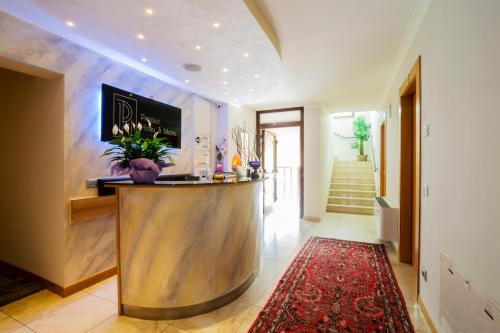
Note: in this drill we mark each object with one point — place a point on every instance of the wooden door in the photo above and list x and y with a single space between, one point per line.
409 223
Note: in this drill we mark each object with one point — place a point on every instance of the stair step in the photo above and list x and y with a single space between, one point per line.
352 162
352 201
353 180
353 174
350 209
353 169
352 193
345 186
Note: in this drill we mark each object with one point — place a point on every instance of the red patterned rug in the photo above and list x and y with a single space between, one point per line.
336 286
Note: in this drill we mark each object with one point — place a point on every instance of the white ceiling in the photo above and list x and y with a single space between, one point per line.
170 36
334 52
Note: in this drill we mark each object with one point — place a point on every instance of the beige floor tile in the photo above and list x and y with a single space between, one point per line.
241 312
259 292
206 323
101 284
284 235
272 269
173 329
37 305
107 291
418 320
76 317
119 324
8 324
22 329
226 319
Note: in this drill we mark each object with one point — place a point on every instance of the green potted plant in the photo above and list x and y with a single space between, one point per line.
140 157
361 130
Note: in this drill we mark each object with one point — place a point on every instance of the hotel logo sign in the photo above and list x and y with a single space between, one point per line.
120 107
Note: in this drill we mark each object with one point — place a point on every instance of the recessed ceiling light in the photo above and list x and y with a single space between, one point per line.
144 60
70 23
216 25
149 11
192 67
225 70
256 76
140 36
246 55
251 90
197 47
186 80
224 82
227 93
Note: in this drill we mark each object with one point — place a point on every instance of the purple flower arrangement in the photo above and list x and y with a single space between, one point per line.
141 158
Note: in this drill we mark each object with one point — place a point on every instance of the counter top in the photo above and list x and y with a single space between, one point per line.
162 183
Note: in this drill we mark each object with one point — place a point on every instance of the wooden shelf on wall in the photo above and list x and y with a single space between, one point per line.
92 208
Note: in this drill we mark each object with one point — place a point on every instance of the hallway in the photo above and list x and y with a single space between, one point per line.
94 309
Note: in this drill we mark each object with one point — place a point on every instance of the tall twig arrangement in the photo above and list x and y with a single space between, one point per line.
246 145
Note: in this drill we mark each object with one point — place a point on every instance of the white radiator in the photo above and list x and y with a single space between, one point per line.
386 220
463 308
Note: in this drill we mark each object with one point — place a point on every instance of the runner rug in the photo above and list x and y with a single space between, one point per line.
336 286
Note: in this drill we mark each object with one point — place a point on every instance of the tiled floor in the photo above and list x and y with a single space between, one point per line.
94 309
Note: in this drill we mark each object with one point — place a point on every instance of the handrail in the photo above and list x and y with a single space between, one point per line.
371 141
344 137
373 153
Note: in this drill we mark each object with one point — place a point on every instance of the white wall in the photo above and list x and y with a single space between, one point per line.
458 42
314 162
328 150
206 121
343 127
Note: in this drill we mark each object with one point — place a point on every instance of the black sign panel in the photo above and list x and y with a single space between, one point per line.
120 107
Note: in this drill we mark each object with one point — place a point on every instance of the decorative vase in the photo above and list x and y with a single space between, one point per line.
219 167
144 171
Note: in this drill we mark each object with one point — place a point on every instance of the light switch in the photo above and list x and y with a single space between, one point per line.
426 131
426 190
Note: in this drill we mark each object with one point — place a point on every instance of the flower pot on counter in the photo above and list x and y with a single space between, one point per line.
144 171
362 157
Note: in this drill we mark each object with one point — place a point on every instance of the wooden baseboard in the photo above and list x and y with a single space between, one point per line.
426 314
85 283
312 218
64 291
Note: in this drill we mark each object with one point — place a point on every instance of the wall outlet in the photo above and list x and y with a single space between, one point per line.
91 183
424 273
426 190
426 131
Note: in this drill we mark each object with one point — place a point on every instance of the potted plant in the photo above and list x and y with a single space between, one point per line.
361 130
140 157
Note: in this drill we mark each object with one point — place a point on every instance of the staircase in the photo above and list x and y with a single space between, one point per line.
352 188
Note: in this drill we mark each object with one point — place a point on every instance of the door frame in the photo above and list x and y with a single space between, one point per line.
410 168
300 124
383 165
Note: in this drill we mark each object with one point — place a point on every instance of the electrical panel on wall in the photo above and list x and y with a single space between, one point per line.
463 308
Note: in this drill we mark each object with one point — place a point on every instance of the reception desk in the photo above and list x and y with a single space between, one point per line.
186 247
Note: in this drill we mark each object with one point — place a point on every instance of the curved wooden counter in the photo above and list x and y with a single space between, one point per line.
186 248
